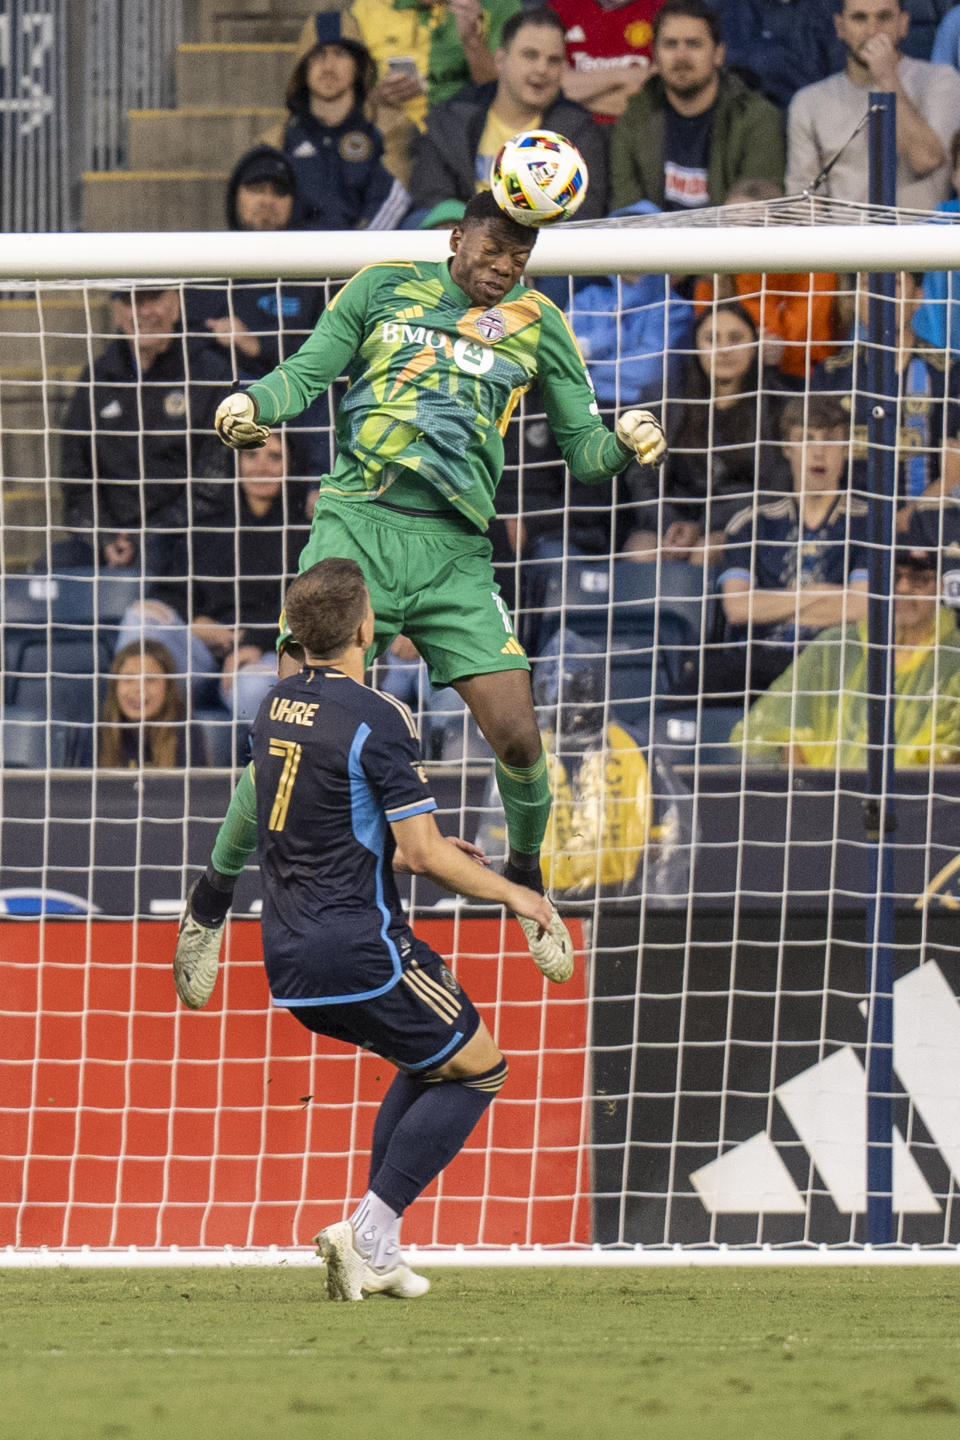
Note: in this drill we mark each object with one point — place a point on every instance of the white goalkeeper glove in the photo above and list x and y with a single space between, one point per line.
236 423
641 432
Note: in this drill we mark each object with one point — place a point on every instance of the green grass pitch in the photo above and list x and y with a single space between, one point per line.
489 1354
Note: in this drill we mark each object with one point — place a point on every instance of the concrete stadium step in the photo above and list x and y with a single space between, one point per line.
212 76
253 20
49 336
191 138
30 499
154 200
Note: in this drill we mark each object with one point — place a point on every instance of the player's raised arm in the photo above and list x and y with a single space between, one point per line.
592 451
243 420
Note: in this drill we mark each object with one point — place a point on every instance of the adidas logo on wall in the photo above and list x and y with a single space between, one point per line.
827 1107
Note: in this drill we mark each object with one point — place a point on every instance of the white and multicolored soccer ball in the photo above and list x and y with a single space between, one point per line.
539 177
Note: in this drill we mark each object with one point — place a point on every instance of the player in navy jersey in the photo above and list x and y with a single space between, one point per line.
342 797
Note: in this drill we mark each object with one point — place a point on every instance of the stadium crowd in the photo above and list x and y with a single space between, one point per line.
396 109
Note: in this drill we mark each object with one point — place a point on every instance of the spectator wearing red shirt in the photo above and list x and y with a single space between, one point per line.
608 51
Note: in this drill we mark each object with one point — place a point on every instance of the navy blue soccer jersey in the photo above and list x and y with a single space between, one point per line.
928 411
335 763
771 549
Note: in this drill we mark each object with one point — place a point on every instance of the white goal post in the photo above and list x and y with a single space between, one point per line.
577 249
699 1092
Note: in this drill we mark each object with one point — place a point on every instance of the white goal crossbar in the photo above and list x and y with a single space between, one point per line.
575 250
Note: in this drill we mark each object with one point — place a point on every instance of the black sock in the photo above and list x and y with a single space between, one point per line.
524 869
212 897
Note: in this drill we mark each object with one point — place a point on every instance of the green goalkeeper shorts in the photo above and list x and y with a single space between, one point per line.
430 578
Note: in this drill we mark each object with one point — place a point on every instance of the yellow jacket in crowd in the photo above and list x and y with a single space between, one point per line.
818 706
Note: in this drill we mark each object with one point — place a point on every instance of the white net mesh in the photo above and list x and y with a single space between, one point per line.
703 1079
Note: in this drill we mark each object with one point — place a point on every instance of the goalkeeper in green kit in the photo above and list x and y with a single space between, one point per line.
437 356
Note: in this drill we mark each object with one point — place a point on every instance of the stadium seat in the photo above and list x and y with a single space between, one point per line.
94 598
71 607
65 678
29 742
649 616
24 615
226 741
685 738
89 597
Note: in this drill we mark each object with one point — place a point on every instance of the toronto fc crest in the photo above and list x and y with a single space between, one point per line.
492 326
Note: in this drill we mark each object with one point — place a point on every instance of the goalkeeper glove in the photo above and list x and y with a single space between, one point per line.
641 432
236 423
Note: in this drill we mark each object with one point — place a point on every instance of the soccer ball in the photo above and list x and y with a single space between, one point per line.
539 178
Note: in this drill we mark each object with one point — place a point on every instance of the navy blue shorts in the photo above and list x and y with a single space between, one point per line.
418 1024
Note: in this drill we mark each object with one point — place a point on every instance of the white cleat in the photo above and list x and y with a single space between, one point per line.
552 949
346 1268
399 1281
196 960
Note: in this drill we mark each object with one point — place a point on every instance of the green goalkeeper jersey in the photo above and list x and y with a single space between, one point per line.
433 382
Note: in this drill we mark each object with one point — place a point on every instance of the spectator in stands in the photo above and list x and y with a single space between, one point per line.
144 722
797 564
926 17
815 713
608 51
140 459
928 405
722 425
694 130
336 152
778 46
260 323
823 117
425 52
221 625
463 135
795 314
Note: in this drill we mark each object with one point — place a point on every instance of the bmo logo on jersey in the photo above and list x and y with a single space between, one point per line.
472 357
394 333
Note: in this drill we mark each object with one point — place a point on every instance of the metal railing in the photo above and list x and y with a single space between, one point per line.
69 74
129 48
34 180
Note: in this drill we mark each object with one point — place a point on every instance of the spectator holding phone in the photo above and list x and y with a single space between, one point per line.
335 150
424 52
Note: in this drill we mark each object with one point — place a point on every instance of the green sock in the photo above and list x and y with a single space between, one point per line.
237 836
525 792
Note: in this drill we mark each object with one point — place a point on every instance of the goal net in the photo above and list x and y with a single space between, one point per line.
727 659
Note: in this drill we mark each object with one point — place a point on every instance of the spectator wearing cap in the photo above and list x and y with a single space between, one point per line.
425 51
140 460
463 135
259 324
335 150
815 713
